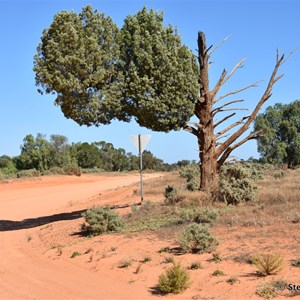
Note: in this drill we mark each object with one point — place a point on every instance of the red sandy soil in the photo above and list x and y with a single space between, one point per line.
39 230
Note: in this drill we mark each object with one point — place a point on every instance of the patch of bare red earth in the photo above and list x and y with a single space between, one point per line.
39 232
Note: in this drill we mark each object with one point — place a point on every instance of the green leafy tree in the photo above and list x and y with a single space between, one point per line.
60 152
7 165
88 156
31 156
280 143
141 71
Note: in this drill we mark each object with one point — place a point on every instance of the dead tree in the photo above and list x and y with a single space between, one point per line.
212 152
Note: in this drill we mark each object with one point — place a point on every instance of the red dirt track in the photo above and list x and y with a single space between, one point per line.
24 271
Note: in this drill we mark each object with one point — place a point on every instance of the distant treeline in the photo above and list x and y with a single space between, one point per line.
56 154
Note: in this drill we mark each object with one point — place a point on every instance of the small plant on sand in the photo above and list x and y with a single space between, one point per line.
268 263
29 238
146 259
198 239
233 280
169 259
75 253
175 280
296 263
164 250
195 265
101 220
216 257
218 272
126 262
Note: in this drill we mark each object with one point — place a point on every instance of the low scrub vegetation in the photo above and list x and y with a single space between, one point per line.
268 263
101 220
196 238
175 280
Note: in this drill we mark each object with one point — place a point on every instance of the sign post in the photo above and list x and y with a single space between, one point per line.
140 142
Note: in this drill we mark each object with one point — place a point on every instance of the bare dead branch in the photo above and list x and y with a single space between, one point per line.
219 45
291 53
266 95
224 119
229 109
227 152
219 84
215 110
195 124
237 91
240 121
237 66
222 137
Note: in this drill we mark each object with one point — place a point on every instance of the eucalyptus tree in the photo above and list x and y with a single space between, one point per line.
143 71
280 143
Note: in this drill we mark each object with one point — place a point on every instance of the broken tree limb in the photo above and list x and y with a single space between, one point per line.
237 91
227 152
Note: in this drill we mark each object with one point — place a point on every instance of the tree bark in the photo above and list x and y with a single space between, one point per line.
203 109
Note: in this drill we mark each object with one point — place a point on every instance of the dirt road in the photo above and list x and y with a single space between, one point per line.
24 271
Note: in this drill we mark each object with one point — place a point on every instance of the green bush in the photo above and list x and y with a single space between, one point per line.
235 184
174 280
172 196
192 176
205 215
72 170
198 239
57 170
28 173
101 220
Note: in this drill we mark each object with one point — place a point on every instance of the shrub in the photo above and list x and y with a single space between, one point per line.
28 173
279 175
101 220
171 196
235 184
192 176
197 238
218 272
197 215
296 263
268 263
233 280
174 280
57 170
195 266
126 262
72 170
270 289
75 253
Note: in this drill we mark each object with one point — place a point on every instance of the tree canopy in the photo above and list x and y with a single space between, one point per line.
100 72
280 143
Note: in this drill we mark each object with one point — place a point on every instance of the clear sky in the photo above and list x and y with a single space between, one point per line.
258 28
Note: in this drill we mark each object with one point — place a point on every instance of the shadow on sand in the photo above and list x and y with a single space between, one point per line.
8 225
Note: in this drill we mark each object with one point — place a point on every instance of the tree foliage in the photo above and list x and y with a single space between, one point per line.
280 143
100 73
58 156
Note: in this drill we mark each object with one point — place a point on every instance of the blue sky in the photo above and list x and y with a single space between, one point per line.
258 28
